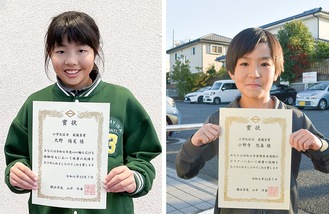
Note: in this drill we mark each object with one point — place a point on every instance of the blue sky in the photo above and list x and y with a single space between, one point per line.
191 19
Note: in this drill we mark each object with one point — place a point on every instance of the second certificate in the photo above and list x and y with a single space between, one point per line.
254 158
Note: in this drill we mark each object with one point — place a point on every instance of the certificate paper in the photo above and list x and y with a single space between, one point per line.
70 143
254 158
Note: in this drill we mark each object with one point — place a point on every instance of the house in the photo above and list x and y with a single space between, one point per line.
316 20
201 52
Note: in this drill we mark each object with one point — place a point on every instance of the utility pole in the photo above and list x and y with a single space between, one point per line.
173 38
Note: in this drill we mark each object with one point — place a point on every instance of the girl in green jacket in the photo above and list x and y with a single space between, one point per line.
72 45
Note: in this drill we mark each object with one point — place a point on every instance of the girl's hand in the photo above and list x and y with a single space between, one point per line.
120 179
206 134
303 140
22 177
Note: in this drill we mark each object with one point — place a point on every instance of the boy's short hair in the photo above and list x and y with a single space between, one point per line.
246 41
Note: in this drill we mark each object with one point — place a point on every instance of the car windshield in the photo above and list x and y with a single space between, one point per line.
216 86
202 89
318 86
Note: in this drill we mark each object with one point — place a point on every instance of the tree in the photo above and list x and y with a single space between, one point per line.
222 74
321 51
212 70
202 79
298 49
199 80
182 76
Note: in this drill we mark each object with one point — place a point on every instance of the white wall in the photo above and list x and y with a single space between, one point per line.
132 37
209 59
310 22
202 58
195 60
324 29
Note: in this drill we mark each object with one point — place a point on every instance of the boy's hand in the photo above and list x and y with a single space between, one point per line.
303 140
120 179
206 134
22 177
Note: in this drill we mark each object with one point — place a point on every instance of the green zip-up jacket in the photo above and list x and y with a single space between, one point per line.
136 145
190 159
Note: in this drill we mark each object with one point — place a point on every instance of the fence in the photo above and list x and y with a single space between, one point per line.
183 127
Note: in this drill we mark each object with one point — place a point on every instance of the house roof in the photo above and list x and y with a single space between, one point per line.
298 16
220 58
215 37
209 38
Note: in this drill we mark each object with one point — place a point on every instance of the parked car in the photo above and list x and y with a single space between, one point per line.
197 96
173 116
222 91
315 96
284 93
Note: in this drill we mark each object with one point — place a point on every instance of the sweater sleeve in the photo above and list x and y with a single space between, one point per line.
191 159
141 146
16 150
320 158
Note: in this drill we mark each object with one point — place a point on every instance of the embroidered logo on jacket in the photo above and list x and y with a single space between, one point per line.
115 135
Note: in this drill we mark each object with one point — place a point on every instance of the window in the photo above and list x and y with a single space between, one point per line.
193 51
175 56
229 86
216 86
216 49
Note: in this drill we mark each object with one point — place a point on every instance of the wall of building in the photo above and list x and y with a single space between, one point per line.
209 59
186 52
201 59
319 28
324 29
310 22
196 59
132 44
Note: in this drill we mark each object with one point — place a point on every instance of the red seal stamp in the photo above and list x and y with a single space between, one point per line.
273 191
90 189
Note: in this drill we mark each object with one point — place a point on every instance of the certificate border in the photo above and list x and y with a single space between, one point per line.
82 115
283 124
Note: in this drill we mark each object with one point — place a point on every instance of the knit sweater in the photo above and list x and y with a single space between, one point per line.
190 159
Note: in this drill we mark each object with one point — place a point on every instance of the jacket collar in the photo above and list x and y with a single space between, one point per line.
84 92
277 103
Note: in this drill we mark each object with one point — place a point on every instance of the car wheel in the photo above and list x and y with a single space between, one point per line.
217 101
322 104
290 100
200 99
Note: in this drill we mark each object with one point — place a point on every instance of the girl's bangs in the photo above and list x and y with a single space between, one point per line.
73 34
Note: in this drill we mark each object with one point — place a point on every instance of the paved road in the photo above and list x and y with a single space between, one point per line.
313 186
